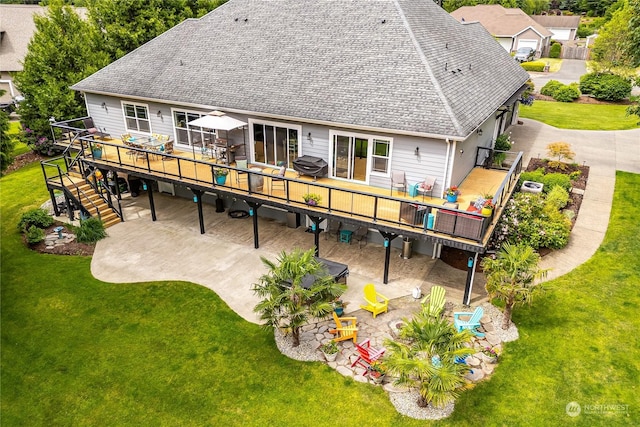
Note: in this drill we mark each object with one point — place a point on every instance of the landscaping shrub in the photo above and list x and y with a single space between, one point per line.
528 219
90 231
588 82
557 198
560 151
535 176
555 50
34 235
567 93
551 180
35 217
534 65
551 87
606 86
503 142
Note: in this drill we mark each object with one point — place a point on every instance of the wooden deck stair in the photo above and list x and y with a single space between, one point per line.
107 215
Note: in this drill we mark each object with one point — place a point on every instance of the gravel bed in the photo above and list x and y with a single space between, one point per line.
305 352
496 315
407 404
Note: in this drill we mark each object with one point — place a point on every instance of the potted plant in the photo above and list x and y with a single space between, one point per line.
221 175
487 207
330 350
452 194
377 371
96 151
339 306
490 354
312 199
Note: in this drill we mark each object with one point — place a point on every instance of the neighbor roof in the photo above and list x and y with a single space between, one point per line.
16 28
499 21
555 21
402 65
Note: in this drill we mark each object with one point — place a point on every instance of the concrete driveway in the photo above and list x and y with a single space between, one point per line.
569 72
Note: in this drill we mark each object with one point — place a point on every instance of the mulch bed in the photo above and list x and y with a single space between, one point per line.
23 160
584 99
72 248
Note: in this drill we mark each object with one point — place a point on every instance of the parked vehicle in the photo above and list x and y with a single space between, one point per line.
525 54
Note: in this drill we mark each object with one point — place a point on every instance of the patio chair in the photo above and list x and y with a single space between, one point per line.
278 180
426 186
473 323
243 170
345 331
376 302
433 304
361 235
333 227
92 129
398 181
367 355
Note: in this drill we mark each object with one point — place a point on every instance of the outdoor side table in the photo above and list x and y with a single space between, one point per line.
345 236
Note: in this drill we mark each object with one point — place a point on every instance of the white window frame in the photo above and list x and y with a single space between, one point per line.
213 133
370 153
126 118
285 125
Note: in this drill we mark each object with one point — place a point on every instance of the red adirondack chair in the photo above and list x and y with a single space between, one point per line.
367 355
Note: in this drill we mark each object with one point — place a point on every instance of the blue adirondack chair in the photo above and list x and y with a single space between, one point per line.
472 323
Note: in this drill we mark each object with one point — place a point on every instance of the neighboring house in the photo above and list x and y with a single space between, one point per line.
16 29
511 27
564 28
369 86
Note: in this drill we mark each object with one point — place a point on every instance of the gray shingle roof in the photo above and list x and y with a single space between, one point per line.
402 65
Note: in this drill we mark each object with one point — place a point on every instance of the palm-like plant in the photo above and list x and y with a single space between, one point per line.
511 277
426 356
286 303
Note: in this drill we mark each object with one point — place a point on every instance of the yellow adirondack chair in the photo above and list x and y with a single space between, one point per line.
433 304
345 331
376 302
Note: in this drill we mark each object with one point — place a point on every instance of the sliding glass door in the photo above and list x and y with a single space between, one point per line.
350 156
275 144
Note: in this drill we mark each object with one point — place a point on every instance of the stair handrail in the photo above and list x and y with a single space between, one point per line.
99 189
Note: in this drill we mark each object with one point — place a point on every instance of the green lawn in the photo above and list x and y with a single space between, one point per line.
567 115
77 351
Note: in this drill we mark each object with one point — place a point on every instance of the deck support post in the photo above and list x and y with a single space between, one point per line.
388 237
471 270
56 211
197 197
315 227
253 212
152 205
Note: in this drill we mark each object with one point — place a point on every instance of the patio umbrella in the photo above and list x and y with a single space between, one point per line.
219 121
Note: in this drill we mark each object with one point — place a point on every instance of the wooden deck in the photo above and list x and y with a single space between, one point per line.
360 204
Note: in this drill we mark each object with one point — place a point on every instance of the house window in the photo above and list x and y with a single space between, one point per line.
136 117
275 143
381 150
186 134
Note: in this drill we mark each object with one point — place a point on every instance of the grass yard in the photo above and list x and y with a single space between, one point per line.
77 351
568 115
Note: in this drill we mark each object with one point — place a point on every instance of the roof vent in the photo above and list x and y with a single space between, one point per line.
384 21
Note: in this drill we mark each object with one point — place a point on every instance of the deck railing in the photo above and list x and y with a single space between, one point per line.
415 217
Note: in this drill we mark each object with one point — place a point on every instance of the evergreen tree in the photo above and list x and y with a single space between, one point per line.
126 24
62 52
